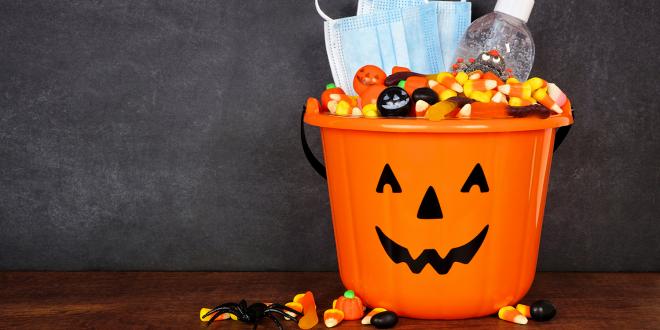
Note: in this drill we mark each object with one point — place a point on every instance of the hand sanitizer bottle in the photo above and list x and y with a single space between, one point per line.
499 41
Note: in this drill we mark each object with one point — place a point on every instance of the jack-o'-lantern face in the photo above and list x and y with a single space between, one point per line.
430 209
367 76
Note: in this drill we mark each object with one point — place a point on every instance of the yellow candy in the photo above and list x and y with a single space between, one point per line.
482 96
447 93
461 77
518 102
370 111
537 83
343 108
512 80
223 316
439 110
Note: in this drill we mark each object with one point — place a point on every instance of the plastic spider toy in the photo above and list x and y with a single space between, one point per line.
486 61
254 313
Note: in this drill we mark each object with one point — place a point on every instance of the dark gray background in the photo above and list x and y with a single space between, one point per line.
164 135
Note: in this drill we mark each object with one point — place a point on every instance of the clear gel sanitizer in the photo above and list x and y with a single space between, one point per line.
504 31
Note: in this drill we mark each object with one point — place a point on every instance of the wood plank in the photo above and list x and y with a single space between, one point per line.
138 300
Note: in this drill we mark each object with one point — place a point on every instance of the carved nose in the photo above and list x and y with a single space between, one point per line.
430 207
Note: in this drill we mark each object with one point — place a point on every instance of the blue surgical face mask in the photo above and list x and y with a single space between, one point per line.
407 36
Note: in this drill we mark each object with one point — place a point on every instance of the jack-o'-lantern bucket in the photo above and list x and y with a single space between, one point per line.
437 219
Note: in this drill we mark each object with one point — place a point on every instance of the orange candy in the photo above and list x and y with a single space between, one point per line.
414 82
491 76
332 317
488 110
508 313
366 76
370 95
367 319
448 80
396 69
309 318
521 90
480 85
542 96
524 310
331 93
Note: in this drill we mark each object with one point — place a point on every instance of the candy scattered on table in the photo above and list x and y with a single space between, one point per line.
384 320
367 318
508 313
332 317
409 94
542 310
351 305
309 318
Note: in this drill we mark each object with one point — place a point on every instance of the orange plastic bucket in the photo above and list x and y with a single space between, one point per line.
437 220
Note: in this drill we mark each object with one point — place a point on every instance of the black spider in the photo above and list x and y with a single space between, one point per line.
254 313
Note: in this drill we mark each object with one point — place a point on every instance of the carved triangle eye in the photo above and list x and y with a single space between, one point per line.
477 177
387 177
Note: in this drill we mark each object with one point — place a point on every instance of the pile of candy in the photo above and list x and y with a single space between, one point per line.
302 310
458 94
541 311
349 307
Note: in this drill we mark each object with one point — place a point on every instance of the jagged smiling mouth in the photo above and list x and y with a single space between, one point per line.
462 254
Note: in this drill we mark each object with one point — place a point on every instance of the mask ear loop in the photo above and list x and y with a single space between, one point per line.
321 13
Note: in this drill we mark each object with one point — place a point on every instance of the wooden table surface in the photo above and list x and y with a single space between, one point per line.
138 300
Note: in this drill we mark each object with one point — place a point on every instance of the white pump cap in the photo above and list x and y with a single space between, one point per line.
519 9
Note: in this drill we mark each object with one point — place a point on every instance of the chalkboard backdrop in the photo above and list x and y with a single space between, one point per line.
163 135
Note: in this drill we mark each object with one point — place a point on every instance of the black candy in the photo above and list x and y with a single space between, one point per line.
394 102
542 310
384 320
425 94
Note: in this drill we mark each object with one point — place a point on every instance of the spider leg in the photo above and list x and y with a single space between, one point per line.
219 311
282 307
227 305
279 325
284 314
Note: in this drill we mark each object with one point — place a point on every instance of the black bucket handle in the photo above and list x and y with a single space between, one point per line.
560 135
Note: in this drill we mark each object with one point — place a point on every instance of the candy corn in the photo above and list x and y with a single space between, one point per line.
524 310
420 108
474 75
518 102
523 90
491 76
296 306
542 96
466 111
508 313
223 316
537 83
446 79
498 98
343 108
332 317
557 95
481 96
461 77
367 318
512 80
437 87
370 111
480 85
446 94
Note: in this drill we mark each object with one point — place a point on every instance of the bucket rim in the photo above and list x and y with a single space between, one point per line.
412 125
